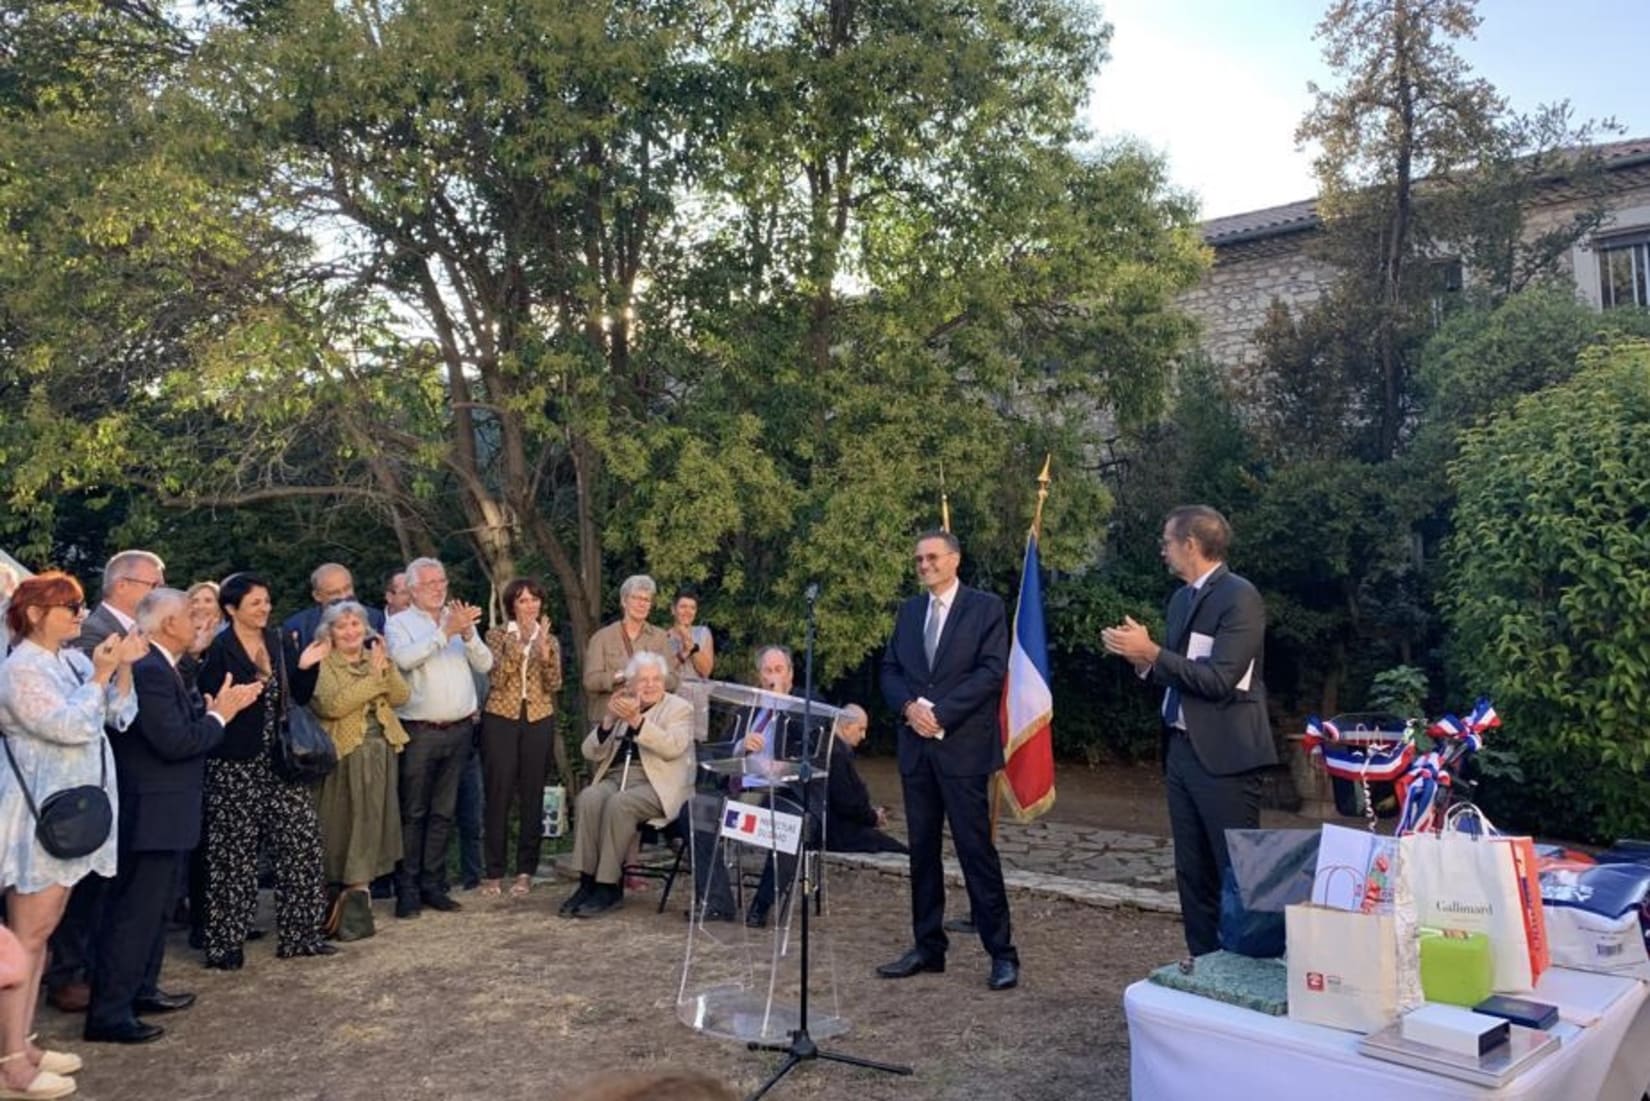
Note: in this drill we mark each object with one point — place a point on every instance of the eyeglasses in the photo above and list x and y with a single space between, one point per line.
144 581
921 558
75 607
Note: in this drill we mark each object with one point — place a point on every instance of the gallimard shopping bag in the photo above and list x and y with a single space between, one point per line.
1470 883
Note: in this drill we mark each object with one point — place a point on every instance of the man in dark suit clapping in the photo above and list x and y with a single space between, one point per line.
128 577
160 763
1216 734
943 674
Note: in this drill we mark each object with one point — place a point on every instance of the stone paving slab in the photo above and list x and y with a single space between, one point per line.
1087 891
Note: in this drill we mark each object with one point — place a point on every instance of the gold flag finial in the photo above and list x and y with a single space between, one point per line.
945 502
1043 481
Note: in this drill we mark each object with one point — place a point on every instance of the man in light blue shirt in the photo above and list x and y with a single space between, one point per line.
436 644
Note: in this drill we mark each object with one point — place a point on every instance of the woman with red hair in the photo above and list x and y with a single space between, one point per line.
54 704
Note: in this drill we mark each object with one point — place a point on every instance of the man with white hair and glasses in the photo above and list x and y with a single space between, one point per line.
128 577
437 646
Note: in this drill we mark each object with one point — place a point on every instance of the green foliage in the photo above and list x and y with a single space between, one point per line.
715 291
1549 589
1401 691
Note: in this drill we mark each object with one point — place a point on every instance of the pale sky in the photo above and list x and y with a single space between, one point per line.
1218 86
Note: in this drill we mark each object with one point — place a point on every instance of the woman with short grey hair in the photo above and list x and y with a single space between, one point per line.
356 693
613 646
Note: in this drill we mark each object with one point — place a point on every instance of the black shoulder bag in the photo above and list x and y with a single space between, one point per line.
74 822
303 753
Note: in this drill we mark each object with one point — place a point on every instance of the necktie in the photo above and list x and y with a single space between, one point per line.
1171 695
931 630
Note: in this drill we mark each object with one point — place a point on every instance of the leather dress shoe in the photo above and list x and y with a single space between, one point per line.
231 961
71 997
408 906
127 1032
912 963
603 900
444 902
1005 975
162 1002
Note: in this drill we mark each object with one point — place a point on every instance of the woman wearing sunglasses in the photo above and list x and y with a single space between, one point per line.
54 704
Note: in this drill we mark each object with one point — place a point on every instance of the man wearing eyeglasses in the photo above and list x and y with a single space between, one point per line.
943 674
128 577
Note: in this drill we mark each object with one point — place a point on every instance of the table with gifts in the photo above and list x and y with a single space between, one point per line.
1185 1046
1371 928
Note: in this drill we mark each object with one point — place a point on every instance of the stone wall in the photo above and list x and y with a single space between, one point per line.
1231 301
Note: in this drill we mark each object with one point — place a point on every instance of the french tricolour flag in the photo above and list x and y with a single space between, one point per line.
1028 705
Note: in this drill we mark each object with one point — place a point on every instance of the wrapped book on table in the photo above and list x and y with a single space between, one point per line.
1496 1067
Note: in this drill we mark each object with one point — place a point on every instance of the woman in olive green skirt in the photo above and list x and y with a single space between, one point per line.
356 692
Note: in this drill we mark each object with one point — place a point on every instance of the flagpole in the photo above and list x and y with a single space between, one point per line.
945 501
1043 481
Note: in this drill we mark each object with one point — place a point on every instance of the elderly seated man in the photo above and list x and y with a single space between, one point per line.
642 749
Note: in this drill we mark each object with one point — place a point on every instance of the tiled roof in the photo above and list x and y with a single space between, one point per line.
1276 221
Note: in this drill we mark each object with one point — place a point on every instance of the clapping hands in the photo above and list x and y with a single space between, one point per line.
234 698
624 707
314 652
460 618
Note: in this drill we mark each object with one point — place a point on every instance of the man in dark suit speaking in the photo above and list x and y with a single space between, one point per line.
1216 734
160 763
943 674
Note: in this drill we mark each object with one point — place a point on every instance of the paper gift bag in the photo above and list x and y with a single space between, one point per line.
1529 891
1343 968
1354 870
1468 883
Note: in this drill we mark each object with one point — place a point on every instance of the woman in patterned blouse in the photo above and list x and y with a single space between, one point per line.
54 705
518 727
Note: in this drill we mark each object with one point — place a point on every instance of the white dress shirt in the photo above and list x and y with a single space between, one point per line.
438 668
939 606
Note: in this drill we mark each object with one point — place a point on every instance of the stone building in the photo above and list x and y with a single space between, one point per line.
1264 254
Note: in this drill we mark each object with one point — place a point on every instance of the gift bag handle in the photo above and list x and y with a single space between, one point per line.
1326 876
1461 810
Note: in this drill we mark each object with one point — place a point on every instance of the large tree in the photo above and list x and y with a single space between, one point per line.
714 290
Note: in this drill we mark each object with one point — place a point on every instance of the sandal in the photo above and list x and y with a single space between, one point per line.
522 885
44 1086
491 887
57 1062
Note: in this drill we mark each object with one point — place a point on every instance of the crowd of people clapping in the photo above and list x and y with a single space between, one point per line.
172 706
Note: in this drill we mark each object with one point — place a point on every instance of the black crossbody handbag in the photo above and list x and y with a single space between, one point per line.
302 753
76 821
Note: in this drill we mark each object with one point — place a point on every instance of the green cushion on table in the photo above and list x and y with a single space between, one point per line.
1261 985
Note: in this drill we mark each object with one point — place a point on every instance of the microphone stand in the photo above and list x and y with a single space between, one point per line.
802 1048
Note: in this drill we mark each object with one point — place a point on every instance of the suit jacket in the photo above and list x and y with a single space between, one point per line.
847 801
308 621
244 739
1228 725
98 625
965 684
665 750
161 760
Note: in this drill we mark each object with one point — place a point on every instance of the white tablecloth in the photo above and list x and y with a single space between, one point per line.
1184 1046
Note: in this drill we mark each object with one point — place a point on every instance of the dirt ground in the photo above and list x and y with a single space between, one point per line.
505 1000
